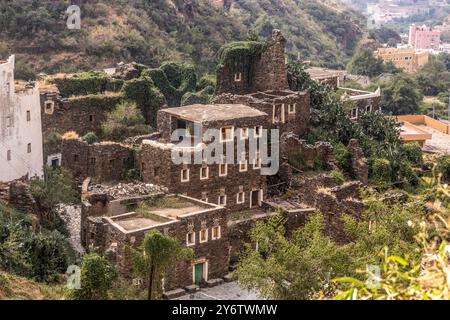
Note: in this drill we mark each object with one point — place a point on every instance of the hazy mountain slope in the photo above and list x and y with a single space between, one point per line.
151 31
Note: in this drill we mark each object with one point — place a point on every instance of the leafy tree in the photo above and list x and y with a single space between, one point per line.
389 67
90 138
444 58
401 95
124 121
97 277
433 78
56 187
157 254
365 63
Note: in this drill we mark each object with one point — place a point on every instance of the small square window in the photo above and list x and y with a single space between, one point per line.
185 175
226 134
238 77
29 148
8 155
369 108
49 106
291 108
240 198
190 239
203 235
91 117
216 233
204 173
354 113
223 169
75 158
244 133
222 200
242 165
28 115
258 131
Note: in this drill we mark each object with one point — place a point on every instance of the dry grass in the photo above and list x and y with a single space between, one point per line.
71 135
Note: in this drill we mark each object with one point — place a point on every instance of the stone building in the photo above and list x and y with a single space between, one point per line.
20 126
112 225
266 69
235 185
358 102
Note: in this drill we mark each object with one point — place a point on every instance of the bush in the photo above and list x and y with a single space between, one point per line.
53 138
90 138
123 122
408 174
444 167
413 153
342 156
338 176
85 83
381 170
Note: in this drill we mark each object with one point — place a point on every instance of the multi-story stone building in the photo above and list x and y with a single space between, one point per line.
205 173
423 37
20 126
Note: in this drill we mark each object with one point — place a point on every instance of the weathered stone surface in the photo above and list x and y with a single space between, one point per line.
214 282
17 193
173 294
359 165
192 288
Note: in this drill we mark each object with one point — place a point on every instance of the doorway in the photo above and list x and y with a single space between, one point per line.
255 198
199 273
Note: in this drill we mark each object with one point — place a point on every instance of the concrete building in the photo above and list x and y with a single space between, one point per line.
423 37
20 126
410 60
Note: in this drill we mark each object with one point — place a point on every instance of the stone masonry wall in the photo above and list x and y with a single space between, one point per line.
106 161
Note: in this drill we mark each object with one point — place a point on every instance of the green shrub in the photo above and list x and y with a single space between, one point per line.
413 153
90 138
338 176
381 170
85 83
408 174
444 167
207 80
123 122
114 85
342 156
53 138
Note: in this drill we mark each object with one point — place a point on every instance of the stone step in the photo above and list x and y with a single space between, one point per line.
174 294
214 282
192 288
228 278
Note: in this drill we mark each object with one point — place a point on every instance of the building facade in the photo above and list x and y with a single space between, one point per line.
423 37
410 60
20 126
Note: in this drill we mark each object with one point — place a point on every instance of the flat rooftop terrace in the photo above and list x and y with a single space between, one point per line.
158 211
214 112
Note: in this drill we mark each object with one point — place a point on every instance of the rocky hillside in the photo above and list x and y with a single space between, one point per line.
158 30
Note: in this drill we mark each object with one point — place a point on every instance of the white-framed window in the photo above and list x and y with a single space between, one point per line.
49 107
257 161
354 113
190 239
258 131
291 108
203 235
216 233
244 133
184 175
240 197
226 134
222 201
243 165
238 77
369 108
223 169
204 173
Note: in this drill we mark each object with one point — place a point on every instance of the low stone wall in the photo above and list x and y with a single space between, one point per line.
17 194
359 167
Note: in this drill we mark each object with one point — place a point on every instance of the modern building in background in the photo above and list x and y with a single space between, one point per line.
423 37
410 60
20 126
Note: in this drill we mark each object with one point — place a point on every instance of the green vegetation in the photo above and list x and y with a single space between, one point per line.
97 277
151 32
90 138
56 187
152 261
365 63
338 176
124 121
14 287
85 83
38 255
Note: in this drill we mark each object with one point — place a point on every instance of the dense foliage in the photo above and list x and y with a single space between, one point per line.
124 121
151 32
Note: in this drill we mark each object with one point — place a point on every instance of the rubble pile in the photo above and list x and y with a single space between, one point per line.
123 190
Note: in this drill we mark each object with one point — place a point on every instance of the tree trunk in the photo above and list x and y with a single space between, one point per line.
150 282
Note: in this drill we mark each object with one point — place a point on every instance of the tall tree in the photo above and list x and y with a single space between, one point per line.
156 254
365 63
401 95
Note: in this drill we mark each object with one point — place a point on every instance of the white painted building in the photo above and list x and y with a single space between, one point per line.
20 126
